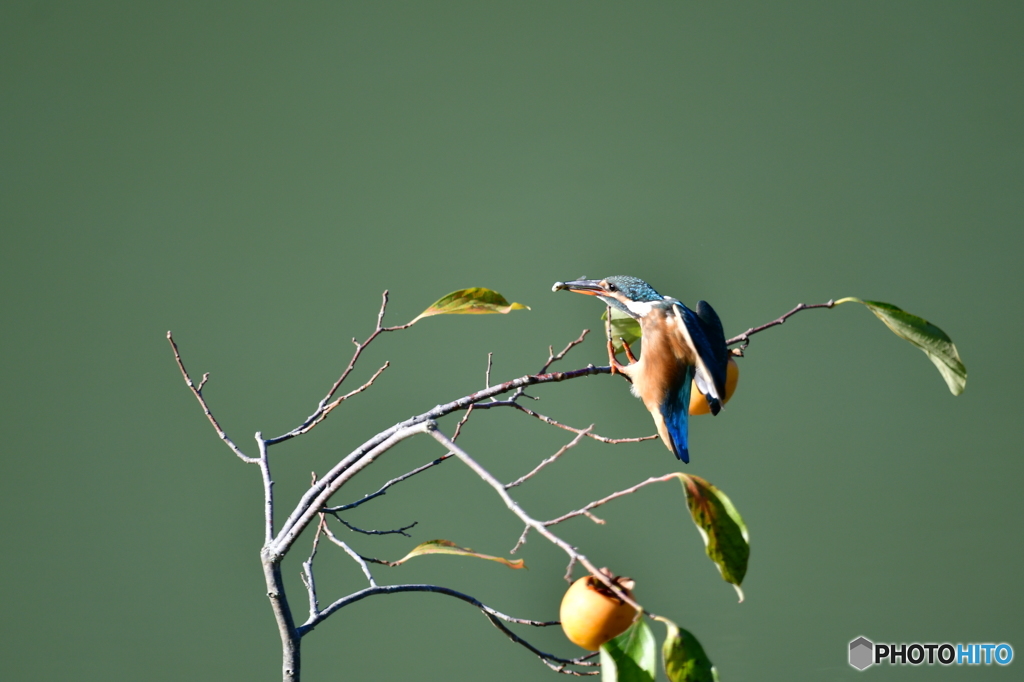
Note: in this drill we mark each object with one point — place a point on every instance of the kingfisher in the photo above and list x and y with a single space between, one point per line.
678 347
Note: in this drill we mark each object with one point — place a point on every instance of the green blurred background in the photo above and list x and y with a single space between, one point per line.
254 175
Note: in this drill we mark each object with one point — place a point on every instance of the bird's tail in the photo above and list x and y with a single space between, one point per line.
676 412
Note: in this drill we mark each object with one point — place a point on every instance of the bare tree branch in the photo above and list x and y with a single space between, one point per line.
307 507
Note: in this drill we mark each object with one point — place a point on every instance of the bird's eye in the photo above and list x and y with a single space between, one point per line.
612 287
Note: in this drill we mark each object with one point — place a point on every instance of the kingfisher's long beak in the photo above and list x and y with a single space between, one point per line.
591 287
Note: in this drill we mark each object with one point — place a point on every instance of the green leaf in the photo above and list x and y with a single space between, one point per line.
933 341
725 535
624 328
449 547
632 656
473 301
683 656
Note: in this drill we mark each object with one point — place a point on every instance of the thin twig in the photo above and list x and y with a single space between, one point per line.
337 401
589 433
351 552
197 391
382 562
307 566
458 427
522 541
568 569
555 358
552 358
384 488
745 336
307 570
585 510
550 459
397 531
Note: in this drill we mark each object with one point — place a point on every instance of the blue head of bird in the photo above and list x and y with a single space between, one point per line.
631 295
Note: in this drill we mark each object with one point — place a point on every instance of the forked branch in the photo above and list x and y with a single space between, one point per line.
326 404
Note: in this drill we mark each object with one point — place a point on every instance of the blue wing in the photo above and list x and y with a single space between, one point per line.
676 411
717 360
704 329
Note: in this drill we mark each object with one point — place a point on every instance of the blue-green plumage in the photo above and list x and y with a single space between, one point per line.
678 346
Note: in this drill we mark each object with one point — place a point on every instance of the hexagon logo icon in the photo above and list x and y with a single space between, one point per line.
861 650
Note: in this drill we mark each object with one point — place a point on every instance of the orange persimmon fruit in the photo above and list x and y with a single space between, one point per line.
591 614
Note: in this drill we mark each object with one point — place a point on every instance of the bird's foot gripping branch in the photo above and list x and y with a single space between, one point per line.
702 365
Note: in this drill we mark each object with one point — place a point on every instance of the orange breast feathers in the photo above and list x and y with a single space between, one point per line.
664 356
